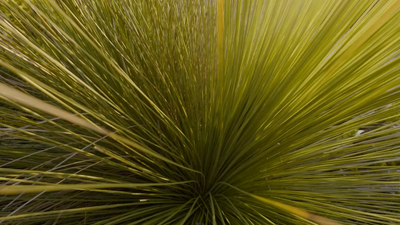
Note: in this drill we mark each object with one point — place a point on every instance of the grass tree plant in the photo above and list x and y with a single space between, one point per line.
199 112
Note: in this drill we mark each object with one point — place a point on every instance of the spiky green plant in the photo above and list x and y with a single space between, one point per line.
199 112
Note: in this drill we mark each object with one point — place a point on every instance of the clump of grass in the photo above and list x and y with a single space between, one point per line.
199 112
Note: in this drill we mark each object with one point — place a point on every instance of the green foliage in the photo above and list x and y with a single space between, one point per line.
178 123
